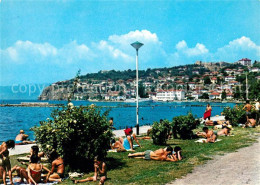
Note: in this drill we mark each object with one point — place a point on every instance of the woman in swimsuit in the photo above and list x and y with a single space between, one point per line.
57 161
35 170
100 172
127 142
4 159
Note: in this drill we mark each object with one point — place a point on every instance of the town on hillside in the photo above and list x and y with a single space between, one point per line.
200 81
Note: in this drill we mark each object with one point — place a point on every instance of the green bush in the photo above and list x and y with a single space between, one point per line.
160 132
78 134
182 126
237 115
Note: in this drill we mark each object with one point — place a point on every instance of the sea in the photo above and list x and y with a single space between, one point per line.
12 119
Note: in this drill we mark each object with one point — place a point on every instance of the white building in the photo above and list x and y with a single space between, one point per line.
244 62
230 78
170 95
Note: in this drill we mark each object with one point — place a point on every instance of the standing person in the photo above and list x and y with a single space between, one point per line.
100 172
247 108
207 113
4 159
111 122
57 162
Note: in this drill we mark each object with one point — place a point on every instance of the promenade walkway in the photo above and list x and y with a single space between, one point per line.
238 168
21 149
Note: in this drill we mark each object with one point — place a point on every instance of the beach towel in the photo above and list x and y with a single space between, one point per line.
24 183
201 140
207 114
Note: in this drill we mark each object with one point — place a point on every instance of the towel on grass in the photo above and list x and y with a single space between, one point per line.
24 183
201 140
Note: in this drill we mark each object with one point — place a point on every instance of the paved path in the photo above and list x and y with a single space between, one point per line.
238 168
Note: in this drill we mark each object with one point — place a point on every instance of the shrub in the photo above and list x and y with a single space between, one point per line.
78 134
237 115
182 126
160 132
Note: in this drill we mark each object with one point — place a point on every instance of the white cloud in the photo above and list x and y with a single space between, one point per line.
183 48
51 63
237 49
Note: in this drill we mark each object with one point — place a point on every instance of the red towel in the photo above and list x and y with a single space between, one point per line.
207 114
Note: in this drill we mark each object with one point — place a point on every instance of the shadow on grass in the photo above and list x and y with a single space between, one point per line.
115 163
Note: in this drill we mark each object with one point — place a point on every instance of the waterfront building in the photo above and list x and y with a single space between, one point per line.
170 95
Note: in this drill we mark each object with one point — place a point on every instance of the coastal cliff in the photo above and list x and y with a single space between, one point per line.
52 93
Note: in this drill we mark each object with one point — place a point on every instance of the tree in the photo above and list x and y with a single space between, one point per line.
141 91
207 80
237 94
121 93
224 95
205 96
78 134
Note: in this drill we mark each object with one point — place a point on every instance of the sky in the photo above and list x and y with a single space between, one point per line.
44 41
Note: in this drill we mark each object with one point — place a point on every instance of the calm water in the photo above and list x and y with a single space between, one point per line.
15 118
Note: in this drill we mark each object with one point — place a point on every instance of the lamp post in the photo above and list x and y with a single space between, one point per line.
246 86
137 45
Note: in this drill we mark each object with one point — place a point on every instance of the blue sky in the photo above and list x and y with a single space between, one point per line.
47 41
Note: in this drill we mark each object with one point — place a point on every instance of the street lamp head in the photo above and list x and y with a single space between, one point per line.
137 45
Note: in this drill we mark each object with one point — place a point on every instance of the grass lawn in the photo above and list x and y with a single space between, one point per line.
124 170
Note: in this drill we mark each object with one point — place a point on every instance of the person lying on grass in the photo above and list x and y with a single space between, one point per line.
100 172
224 132
218 122
208 134
158 155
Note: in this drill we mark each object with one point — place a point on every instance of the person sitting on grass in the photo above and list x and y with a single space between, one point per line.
5 160
57 161
208 134
127 142
35 169
250 123
158 155
100 172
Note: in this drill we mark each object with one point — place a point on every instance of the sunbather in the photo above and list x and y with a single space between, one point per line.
224 132
100 172
35 170
158 155
250 123
22 138
127 142
4 159
208 134
57 162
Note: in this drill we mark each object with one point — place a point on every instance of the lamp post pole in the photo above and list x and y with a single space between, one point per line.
137 45
246 87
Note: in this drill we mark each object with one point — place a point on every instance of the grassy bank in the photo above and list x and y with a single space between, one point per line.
123 170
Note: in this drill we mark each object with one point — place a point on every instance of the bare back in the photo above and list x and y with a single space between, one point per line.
159 155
